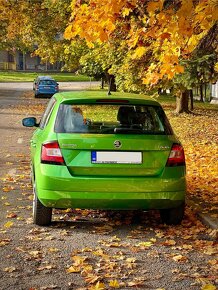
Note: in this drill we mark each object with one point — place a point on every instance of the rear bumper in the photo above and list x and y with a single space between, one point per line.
121 201
46 92
56 187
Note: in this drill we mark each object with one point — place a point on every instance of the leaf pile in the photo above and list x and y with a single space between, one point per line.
198 134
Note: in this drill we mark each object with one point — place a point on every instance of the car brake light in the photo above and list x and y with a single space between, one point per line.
51 153
177 156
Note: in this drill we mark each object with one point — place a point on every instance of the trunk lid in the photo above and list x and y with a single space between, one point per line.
136 155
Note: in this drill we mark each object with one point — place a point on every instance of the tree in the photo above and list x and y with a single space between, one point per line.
38 27
160 36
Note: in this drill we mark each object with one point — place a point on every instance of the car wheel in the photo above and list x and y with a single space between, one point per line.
41 215
173 216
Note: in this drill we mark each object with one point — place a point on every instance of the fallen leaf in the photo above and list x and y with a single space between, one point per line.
208 287
78 260
46 267
8 224
4 242
11 215
144 244
179 258
169 243
73 269
9 269
114 284
98 286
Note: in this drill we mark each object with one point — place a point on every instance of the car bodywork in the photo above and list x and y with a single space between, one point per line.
45 85
106 165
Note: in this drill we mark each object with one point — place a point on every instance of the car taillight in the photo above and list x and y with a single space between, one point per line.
51 153
177 156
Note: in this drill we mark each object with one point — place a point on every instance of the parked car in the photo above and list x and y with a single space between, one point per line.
45 85
106 152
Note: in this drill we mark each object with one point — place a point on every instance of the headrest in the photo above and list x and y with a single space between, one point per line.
124 114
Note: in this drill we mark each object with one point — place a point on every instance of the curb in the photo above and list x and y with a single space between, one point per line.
207 218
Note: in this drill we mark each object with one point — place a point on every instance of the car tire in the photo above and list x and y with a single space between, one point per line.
173 216
41 215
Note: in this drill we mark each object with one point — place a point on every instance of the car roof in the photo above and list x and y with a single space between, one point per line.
81 97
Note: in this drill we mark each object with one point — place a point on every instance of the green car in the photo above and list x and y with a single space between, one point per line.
116 152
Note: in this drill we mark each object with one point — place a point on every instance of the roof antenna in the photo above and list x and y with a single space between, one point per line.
109 88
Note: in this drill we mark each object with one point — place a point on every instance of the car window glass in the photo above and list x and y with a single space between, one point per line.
47 82
47 113
110 119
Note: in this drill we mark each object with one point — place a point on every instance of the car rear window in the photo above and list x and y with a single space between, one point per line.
47 82
112 119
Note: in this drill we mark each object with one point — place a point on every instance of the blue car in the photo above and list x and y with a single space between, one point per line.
45 86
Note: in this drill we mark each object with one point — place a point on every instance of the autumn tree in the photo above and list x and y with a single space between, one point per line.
159 36
38 27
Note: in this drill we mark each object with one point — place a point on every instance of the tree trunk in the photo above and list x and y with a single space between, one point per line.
182 102
24 61
191 100
201 93
102 83
205 91
112 84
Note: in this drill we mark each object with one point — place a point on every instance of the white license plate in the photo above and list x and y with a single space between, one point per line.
116 157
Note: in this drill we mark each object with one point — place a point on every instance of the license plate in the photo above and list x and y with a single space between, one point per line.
116 157
46 87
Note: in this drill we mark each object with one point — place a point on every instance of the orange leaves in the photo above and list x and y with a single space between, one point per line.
154 5
96 21
198 134
153 31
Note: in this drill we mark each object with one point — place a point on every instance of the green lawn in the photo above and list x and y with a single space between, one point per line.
13 76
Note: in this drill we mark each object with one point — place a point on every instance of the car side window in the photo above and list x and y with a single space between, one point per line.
47 113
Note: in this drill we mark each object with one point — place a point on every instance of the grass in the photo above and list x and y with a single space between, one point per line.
170 101
13 76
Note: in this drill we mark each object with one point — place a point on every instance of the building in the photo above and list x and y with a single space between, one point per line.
214 93
25 61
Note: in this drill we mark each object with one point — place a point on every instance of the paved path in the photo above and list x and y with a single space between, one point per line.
64 86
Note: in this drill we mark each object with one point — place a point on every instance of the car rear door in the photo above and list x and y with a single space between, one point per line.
96 144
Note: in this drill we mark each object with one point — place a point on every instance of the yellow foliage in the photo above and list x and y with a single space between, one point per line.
126 11
170 34
139 52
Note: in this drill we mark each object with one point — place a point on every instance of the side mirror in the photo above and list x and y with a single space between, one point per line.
30 122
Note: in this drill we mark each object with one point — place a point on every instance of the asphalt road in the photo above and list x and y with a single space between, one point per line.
84 248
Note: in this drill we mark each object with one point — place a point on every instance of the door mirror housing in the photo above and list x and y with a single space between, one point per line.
30 122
